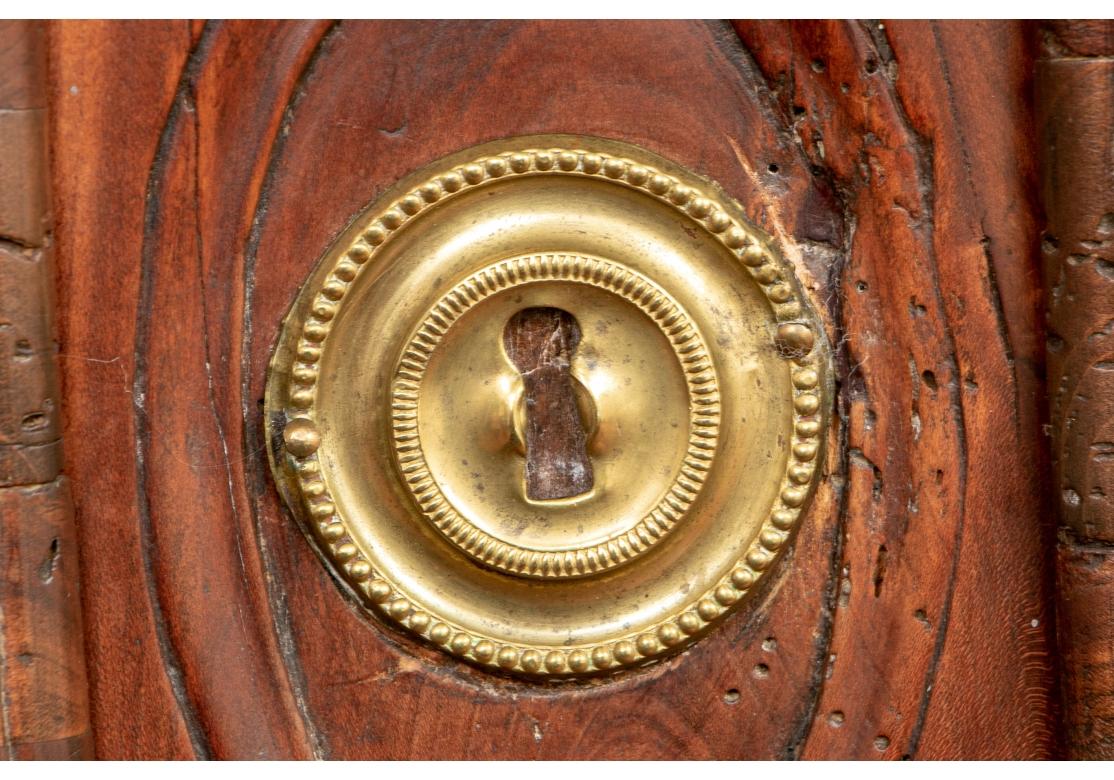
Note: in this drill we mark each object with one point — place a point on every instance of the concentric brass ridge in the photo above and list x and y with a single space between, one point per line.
385 522
691 353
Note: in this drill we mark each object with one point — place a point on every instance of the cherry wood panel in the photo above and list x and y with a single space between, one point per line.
200 170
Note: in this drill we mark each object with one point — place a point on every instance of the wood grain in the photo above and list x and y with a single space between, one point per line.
44 710
1075 117
896 190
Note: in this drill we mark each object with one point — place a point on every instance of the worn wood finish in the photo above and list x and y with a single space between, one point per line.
885 161
1075 115
43 693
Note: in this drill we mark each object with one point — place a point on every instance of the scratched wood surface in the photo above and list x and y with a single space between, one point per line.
200 170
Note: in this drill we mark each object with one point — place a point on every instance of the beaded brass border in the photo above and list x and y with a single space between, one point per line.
700 376
796 338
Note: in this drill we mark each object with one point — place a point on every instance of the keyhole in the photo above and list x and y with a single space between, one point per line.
540 342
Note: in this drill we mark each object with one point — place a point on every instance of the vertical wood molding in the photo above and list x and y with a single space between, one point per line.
1075 114
43 689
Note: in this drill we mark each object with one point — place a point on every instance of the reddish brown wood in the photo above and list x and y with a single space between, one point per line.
541 343
902 192
924 130
44 709
42 662
1075 115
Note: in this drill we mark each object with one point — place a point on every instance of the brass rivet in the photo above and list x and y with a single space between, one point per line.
806 403
411 204
734 238
359 253
520 163
615 168
708 609
805 450
578 660
419 621
473 174
484 650
808 428
794 339
782 519
554 661
793 496
689 623
726 595
507 658
625 651
699 207
496 166
566 161
742 578
647 644
301 437
659 184
669 634
531 660
592 163
375 235
753 255
461 643
345 552
771 540
346 272
602 657
378 591
451 182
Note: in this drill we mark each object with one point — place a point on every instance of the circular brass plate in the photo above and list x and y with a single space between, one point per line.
701 378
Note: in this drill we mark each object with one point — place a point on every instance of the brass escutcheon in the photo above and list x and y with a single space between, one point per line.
551 404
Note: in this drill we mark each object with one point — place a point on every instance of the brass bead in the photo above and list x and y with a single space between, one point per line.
301 437
794 339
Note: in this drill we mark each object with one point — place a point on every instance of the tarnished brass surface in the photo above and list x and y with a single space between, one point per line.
700 375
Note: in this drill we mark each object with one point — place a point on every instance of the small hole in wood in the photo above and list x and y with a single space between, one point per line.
23 349
732 696
835 719
761 671
773 168
35 421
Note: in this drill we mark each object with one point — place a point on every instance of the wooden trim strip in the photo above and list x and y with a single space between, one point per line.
44 710
1075 118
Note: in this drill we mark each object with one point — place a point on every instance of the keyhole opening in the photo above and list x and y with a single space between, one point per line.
540 342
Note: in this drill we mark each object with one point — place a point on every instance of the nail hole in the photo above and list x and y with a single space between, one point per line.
871 66
769 644
798 110
773 168
881 742
861 286
23 348
732 696
818 66
835 718
930 380
35 421
761 671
